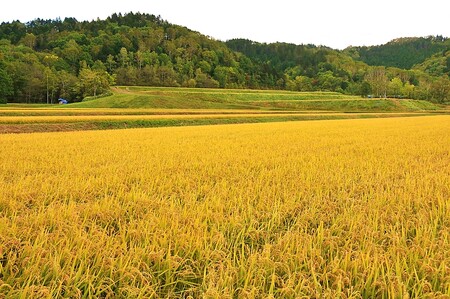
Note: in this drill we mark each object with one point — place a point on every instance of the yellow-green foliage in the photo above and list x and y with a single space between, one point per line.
324 209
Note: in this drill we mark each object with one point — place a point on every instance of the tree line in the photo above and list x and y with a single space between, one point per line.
43 60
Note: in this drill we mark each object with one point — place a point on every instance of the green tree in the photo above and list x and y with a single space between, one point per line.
301 83
327 81
146 76
408 90
167 76
72 53
123 57
29 40
110 63
93 83
441 90
221 75
67 85
395 87
210 57
378 81
6 86
204 81
365 89
204 66
164 59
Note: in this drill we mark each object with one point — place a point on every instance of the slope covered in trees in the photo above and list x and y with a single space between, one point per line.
402 52
43 60
436 65
311 68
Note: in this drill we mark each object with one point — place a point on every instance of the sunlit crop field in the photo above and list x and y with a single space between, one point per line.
99 118
93 118
315 209
22 119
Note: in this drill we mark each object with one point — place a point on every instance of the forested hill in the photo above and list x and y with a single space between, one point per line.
402 52
282 56
43 60
437 65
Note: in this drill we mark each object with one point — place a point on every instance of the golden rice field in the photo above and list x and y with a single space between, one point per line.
22 119
23 110
315 209
94 118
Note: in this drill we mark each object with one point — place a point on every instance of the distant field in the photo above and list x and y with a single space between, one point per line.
186 98
326 209
136 107
70 119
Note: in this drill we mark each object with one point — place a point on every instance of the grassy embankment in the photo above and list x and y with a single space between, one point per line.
186 98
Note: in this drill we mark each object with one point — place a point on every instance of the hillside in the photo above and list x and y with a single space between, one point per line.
402 52
43 60
436 65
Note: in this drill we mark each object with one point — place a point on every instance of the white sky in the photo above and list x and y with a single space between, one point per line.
336 24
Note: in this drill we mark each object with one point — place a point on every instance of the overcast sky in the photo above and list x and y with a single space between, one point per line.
333 23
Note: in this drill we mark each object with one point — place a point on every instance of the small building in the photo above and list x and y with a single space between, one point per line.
62 101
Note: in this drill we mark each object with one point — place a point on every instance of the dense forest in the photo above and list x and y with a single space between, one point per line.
43 60
403 52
